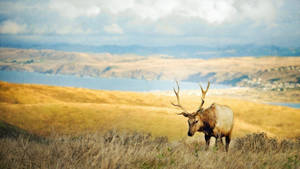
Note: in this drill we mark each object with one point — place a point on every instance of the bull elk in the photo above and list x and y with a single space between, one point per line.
214 121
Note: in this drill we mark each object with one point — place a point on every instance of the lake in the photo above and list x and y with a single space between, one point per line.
122 84
293 105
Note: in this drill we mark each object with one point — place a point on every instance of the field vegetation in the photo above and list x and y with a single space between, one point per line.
63 127
42 110
115 149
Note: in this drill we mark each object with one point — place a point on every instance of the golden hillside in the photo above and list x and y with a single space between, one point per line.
45 109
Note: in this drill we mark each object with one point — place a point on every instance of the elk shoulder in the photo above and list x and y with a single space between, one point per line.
224 119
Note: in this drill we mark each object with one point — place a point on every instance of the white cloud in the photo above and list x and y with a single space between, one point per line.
117 6
72 9
149 20
259 10
155 9
92 11
11 27
211 11
113 29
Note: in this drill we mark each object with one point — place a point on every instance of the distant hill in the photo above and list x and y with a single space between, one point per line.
179 51
264 72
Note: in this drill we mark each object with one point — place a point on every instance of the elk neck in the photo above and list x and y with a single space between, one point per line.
208 116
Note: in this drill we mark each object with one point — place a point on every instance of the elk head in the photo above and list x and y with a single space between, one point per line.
194 119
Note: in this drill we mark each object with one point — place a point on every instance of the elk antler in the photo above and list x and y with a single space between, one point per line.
203 96
184 113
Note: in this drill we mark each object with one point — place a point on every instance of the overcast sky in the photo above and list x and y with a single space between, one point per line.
152 22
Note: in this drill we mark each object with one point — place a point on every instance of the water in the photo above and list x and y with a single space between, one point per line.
293 105
96 83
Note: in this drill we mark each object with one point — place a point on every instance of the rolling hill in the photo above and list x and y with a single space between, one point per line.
44 110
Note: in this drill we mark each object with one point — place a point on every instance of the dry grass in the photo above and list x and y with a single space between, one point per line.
44 109
72 128
135 150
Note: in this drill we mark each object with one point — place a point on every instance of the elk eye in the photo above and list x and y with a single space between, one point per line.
196 121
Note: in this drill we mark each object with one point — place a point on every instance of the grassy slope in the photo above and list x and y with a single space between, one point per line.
44 109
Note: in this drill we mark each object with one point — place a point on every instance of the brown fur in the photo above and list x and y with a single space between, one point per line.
209 116
205 121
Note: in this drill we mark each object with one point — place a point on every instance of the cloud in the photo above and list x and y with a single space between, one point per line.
214 11
211 11
149 21
73 9
11 27
258 10
113 29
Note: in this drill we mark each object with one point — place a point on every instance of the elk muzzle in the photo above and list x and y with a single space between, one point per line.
190 133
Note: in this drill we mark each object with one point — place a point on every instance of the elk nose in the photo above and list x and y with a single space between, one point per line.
190 134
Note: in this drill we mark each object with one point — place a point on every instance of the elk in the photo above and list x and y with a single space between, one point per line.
214 121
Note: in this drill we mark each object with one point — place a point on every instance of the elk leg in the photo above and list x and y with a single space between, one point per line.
216 143
227 143
222 144
218 138
207 140
221 140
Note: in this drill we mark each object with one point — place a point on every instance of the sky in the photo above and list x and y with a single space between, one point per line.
151 22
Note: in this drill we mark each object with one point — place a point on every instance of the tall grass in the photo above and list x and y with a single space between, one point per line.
120 150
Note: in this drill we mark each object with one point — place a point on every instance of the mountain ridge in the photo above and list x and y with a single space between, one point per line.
178 51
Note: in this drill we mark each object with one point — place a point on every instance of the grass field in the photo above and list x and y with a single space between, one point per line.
63 127
44 110
121 150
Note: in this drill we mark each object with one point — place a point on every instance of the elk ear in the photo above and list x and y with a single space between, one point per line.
184 114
